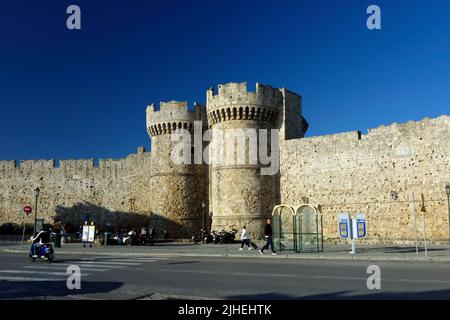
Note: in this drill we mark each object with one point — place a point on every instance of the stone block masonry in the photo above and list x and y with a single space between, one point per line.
375 173
75 189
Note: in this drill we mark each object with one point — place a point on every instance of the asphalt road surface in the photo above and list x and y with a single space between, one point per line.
147 277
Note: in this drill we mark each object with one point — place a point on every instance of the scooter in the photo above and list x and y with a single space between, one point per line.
145 240
226 236
117 238
197 237
215 237
44 252
131 239
208 238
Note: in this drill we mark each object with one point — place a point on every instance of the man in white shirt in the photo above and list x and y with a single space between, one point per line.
245 239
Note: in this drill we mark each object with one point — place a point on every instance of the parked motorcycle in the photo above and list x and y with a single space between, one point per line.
203 236
197 237
131 239
45 252
146 240
208 238
215 237
225 237
117 238
231 235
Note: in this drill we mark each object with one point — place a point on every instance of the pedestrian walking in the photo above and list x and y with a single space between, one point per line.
268 238
245 239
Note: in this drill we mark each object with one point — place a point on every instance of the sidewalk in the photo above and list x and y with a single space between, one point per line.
331 252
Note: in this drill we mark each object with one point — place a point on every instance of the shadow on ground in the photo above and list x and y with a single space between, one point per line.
386 249
43 289
409 249
348 295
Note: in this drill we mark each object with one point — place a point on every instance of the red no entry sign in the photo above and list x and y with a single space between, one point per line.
27 209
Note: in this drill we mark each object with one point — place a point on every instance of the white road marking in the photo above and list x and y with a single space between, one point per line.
263 274
40 272
121 260
111 263
83 264
29 279
188 271
55 267
346 278
99 264
246 274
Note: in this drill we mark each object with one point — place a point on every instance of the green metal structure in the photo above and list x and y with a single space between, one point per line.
297 229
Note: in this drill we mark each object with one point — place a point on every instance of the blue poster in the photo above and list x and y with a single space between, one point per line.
344 225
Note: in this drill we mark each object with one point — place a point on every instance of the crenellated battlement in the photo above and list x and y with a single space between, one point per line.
7 165
237 94
70 167
173 115
234 102
410 126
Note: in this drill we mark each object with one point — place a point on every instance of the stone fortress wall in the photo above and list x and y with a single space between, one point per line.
345 172
144 188
112 192
376 174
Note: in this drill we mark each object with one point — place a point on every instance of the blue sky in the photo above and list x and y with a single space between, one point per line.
82 94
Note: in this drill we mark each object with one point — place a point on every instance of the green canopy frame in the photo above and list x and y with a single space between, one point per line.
298 229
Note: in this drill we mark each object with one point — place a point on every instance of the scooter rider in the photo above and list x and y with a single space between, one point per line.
41 238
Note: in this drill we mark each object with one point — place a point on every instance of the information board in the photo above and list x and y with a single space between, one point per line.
88 234
361 225
344 225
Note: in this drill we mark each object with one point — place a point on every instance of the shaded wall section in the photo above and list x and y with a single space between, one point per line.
114 186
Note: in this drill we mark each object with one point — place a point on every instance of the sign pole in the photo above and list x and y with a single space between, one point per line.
353 234
424 225
23 232
353 246
27 210
415 224
425 235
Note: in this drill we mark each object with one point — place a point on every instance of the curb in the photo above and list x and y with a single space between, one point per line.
168 296
283 256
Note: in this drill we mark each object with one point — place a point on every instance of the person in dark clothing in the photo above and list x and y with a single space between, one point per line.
57 228
204 233
268 237
41 238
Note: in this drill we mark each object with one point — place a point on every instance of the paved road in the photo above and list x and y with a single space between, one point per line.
147 277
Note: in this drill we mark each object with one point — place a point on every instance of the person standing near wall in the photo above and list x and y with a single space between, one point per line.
57 229
245 239
268 238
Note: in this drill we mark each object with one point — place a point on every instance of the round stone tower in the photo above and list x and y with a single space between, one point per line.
239 193
178 189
